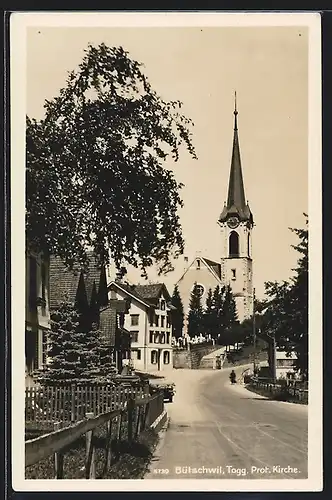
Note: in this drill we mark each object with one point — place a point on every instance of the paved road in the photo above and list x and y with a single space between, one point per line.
221 431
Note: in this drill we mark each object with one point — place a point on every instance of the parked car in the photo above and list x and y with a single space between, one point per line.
167 387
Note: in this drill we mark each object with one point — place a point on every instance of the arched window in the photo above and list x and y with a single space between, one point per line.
233 244
153 357
166 357
248 244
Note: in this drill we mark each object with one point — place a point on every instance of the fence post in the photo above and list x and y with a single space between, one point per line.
90 466
72 416
139 408
108 445
58 457
130 409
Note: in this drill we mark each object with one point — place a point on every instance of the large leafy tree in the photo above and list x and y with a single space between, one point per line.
195 315
95 166
177 313
286 315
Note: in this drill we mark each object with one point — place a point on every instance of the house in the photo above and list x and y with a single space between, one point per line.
87 291
285 364
149 323
37 312
234 264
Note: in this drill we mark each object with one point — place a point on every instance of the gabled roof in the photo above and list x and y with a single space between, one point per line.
211 265
130 290
146 294
65 283
152 291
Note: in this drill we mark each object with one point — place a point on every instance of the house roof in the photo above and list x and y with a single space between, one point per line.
152 291
130 290
147 294
65 283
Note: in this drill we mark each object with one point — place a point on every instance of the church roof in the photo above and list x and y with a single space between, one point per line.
214 265
236 202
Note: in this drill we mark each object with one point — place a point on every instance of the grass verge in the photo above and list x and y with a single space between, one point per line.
129 460
283 395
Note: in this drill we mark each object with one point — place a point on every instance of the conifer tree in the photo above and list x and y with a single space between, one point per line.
208 318
195 315
76 356
177 314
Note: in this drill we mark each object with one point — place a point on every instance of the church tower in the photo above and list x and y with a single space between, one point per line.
236 223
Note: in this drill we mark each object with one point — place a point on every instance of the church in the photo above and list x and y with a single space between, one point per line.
235 265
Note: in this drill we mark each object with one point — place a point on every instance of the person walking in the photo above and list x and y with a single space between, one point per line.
232 377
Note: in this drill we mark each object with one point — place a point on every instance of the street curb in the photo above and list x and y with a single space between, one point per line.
158 423
156 452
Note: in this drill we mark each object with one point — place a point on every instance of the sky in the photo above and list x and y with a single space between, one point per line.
202 67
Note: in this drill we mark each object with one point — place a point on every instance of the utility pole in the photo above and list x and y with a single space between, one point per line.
254 331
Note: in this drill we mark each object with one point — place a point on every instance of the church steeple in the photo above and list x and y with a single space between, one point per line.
236 202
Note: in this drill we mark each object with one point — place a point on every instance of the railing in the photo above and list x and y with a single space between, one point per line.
297 390
46 405
136 415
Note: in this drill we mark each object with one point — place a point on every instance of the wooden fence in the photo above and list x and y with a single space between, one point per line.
137 415
46 405
297 390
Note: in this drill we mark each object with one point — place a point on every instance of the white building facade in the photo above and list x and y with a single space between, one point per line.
149 322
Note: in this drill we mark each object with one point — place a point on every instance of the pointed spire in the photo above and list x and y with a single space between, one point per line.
236 201
235 112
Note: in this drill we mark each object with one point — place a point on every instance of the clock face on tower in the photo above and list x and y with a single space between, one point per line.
233 222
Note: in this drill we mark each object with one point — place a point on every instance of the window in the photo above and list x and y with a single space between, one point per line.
233 244
136 353
134 336
157 320
162 321
134 319
151 337
151 317
154 357
31 351
45 348
233 274
167 338
162 338
156 337
200 290
198 264
162 305
166 357
168 321
32 282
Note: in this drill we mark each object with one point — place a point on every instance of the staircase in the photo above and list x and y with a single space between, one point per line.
208 361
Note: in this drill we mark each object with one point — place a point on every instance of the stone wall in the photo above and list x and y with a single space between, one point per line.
183 358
